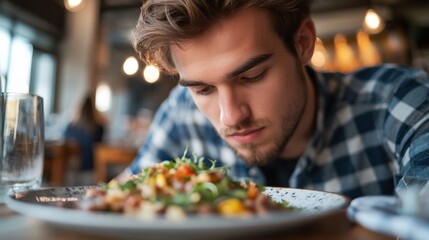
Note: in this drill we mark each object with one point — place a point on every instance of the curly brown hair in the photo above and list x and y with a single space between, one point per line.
165 22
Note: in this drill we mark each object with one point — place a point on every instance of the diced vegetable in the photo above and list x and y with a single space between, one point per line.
180 187
231 207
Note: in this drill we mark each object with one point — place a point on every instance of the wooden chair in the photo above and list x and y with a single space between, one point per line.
58 155
111 154
54 163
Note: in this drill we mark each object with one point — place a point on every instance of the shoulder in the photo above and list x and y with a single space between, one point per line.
386 73
180 97
183 114
177 107
379 83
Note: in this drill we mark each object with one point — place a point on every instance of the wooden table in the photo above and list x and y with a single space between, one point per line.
333 227
106 154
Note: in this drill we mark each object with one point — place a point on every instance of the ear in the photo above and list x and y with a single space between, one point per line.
304 41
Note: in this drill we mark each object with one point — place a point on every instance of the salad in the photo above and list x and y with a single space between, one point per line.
182 187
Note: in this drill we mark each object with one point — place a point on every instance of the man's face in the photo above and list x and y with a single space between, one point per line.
250 87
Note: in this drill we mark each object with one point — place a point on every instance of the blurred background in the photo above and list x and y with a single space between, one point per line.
66 50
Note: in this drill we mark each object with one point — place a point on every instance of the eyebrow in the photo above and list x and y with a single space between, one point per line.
250 64
241 69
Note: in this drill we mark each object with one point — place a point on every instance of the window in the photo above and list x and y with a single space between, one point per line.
28 63
44 75
4 54
18 77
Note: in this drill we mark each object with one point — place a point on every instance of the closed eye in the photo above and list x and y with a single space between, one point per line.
204 90
197 87
255 78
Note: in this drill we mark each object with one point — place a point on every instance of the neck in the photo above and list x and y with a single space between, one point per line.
300 139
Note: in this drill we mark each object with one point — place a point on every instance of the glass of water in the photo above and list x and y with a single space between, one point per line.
22 142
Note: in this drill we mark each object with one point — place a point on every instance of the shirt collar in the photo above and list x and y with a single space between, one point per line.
327 87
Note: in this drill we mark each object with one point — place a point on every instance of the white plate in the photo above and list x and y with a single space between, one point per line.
50 205
382 214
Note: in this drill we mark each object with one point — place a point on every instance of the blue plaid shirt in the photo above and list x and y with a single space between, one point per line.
371 134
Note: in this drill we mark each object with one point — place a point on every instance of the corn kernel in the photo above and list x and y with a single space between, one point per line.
231 207
161 182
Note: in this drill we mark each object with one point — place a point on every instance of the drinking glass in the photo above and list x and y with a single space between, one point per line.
22 142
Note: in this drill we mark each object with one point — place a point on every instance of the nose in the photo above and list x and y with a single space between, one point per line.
233 108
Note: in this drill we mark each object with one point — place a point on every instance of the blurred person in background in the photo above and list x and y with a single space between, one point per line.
86 129
249 99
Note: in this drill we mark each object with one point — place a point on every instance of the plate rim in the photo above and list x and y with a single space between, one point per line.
192 225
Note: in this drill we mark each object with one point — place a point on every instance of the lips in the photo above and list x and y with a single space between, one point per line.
247 136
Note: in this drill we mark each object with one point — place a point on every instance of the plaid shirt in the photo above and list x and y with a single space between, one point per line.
371 134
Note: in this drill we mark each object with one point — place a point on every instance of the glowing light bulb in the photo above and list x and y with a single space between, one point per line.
319 58
103 97
151 74
368 52
73 5
130 66
373 23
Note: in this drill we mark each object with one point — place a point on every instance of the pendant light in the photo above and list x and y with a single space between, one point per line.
74 5
373 23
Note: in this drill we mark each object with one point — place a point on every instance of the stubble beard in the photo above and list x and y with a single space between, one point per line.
254 154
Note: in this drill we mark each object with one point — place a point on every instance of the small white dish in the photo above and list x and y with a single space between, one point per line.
383 214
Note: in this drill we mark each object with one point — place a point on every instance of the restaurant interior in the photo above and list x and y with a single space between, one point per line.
67 50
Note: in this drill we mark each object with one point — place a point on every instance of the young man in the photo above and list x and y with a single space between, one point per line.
247 99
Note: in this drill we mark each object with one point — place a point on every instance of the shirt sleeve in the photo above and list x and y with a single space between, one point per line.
406 127
165 138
